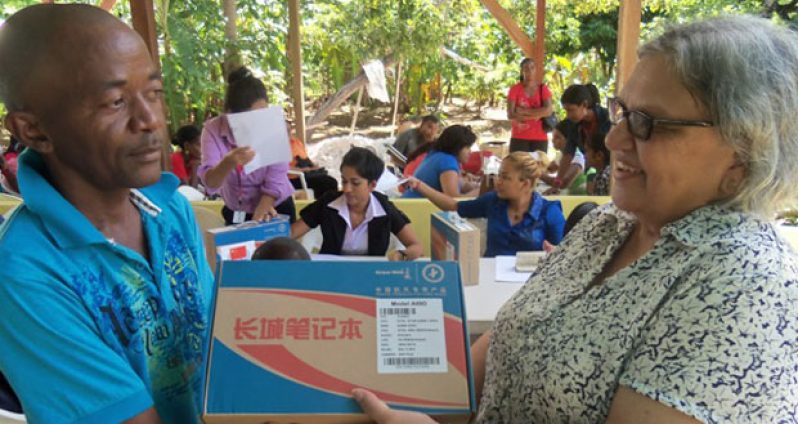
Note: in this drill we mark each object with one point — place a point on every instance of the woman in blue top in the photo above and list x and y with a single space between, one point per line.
441 168
519 219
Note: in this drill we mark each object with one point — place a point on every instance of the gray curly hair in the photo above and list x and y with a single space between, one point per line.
744 70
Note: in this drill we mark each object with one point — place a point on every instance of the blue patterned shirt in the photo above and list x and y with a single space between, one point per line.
91 331
706 322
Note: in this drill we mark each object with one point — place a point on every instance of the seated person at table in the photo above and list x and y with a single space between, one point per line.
573 177
316 177
410 140
519 219
186 161
441 168
598 157
358 220
281 248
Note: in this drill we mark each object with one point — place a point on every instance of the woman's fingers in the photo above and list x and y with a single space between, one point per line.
378 411
372 405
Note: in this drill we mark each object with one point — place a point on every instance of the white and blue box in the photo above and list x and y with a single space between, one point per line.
238 242
291 339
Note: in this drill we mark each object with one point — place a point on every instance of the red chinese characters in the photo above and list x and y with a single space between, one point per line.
297 328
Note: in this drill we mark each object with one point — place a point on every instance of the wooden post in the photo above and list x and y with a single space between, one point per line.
295 56
396 96
540 41
357 111
628 36
143 14
144 23
510 26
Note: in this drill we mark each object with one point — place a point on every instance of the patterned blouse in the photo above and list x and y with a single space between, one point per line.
706 322
601 183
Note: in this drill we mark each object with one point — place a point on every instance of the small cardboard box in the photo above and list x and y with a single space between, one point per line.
291 339
237 242
498 148
452 238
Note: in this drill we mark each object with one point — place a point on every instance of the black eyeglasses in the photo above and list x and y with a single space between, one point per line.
641 125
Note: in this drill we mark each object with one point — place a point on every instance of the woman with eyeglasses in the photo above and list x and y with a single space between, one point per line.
676 303
582 105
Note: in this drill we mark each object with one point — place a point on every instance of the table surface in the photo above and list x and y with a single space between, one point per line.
484 299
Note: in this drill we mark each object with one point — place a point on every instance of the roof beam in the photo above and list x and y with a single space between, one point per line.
628 38
510 26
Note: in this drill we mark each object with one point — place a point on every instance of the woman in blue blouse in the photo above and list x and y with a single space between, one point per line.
441 168
519 219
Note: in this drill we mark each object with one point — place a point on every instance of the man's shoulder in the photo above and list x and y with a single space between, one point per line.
25 242
407 134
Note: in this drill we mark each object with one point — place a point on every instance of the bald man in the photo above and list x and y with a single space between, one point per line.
104 287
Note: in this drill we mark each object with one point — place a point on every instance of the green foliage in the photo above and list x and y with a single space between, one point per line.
340 35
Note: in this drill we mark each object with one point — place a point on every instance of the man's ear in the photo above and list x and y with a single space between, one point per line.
26 127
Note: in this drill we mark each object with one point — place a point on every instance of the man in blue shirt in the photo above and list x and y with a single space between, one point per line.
105 290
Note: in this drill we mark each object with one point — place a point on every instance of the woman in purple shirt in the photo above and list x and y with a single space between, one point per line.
259 195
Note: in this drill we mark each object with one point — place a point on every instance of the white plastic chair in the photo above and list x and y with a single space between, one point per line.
303 183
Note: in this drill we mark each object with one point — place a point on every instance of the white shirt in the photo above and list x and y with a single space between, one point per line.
356 240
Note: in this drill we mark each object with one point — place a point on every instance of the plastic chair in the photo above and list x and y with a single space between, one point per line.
303 183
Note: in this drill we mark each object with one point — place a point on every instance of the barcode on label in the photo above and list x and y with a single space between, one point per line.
397 311
413 361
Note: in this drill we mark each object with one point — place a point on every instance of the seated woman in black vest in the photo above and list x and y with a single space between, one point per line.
358 220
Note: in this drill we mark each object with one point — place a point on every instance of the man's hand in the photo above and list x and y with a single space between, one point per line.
239 156
378 411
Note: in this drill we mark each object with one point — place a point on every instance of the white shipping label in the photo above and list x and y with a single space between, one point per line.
410 336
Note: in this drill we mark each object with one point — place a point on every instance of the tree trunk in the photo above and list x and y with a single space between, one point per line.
232 57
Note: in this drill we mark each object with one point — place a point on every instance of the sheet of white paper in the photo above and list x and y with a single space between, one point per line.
375 73
506 273
388 184
264 130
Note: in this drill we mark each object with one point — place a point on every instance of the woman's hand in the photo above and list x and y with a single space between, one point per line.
239 156
397 255
412 183
265 210
378 411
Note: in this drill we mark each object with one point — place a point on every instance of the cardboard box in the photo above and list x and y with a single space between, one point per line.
291 339
498 148
452 238
238 242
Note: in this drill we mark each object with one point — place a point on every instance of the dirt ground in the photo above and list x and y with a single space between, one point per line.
489 124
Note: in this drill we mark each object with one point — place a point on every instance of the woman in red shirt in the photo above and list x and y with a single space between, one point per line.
527 102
